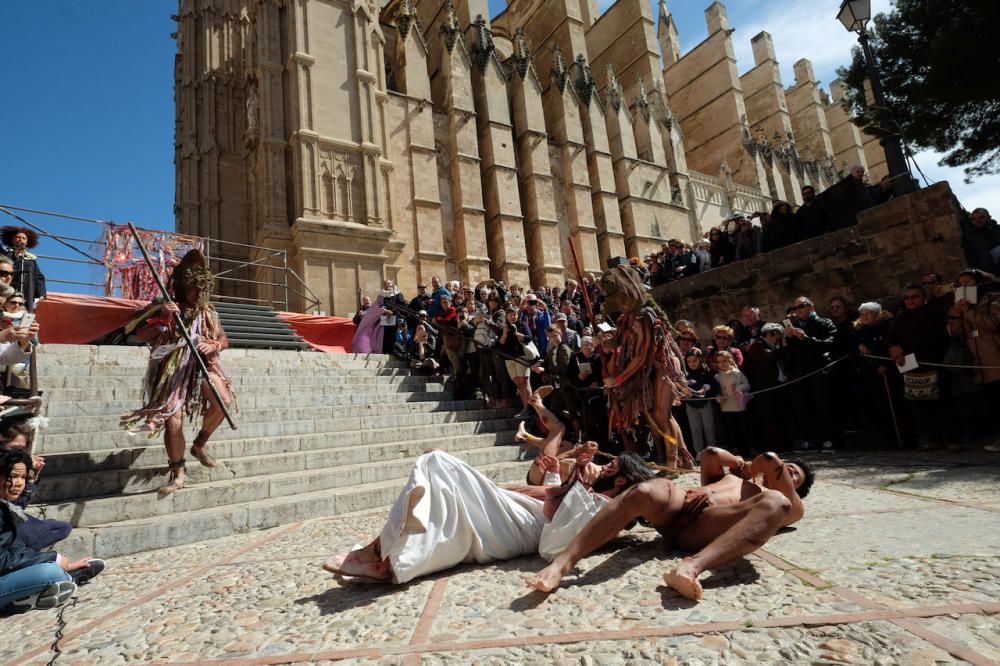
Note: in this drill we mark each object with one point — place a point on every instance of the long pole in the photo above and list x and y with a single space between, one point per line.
892 411
179 322
899 172
582 284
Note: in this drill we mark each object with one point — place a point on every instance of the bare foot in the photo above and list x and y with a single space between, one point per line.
521 435
541 393
545 580
354 564
684 579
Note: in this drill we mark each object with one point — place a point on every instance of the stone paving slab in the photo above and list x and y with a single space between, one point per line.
870 576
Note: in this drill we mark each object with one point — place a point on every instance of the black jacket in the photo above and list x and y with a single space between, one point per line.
28 279
811 220
922 332
804 356
978 244
15 555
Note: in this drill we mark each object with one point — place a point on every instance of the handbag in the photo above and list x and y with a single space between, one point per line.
530 351
921 385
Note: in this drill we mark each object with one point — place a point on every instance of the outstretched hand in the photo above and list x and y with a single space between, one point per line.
547 463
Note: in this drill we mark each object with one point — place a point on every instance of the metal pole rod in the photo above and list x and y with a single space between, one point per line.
899 171
183 329
284 272
48 235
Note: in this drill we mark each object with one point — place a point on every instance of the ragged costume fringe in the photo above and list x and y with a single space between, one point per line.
645 354
173 382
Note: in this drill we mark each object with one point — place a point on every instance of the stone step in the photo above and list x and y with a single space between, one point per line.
76 442
250 378
116 407
328 419
132 390
152 456
108 421
116 371
130 536
51 356
250 479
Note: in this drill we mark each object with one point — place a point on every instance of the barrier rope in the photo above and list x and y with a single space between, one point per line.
831 364
60 629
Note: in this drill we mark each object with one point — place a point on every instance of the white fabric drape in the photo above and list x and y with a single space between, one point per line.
449 513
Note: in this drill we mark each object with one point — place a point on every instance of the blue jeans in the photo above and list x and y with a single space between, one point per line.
28 581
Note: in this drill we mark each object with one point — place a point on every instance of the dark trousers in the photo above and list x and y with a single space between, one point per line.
737 426
813 408
41 534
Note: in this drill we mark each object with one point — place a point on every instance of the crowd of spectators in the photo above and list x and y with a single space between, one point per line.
819 377
32 573
746 235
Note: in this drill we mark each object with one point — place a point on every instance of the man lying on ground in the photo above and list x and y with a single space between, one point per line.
449 513
729 516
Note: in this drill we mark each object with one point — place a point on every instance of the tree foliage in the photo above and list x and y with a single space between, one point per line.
941 74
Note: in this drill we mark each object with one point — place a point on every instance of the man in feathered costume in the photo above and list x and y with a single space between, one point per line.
173 383
644 371
28 279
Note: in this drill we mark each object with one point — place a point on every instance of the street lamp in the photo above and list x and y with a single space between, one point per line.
855 14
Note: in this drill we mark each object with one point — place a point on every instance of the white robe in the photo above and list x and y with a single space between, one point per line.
449 513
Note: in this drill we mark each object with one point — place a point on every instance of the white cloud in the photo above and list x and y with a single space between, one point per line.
984 192
808 29
800 29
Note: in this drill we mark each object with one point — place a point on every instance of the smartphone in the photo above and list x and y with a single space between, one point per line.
27 320
787 323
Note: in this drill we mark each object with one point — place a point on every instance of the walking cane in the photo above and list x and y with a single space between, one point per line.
892 411
179 321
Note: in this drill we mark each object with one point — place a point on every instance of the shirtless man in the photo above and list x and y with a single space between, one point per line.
729 516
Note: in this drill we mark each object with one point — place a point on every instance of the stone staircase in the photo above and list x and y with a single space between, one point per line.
319 435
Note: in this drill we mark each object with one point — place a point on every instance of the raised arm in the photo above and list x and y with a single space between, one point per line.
776 477
714 462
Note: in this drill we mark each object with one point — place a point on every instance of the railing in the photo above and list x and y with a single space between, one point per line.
749 200
244 273
708 189
734 198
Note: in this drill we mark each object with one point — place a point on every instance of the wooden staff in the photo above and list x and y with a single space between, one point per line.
583 286
892 411
179 322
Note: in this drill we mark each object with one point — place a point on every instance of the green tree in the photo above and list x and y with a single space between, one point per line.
940 69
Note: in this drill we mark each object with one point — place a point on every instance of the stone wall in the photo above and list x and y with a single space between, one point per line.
892 245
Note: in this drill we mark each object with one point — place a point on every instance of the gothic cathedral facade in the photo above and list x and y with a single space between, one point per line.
402 139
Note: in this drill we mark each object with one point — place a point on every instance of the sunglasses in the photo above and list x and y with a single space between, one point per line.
723 337
800 306
15 302
6 274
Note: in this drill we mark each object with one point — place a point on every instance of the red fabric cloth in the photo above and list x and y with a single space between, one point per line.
328 334
76 319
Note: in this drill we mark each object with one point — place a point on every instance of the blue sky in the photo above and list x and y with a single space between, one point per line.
88 111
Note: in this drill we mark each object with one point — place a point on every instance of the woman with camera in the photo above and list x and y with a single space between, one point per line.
513 338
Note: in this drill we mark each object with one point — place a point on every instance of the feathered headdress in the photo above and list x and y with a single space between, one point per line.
192 272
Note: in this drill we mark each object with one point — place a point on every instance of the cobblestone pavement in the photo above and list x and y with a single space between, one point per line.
896 562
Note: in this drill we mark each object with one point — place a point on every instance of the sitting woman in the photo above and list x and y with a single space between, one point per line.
449 513
34 533
28 578
421 350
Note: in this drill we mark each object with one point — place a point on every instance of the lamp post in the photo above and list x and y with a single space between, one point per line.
855 14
